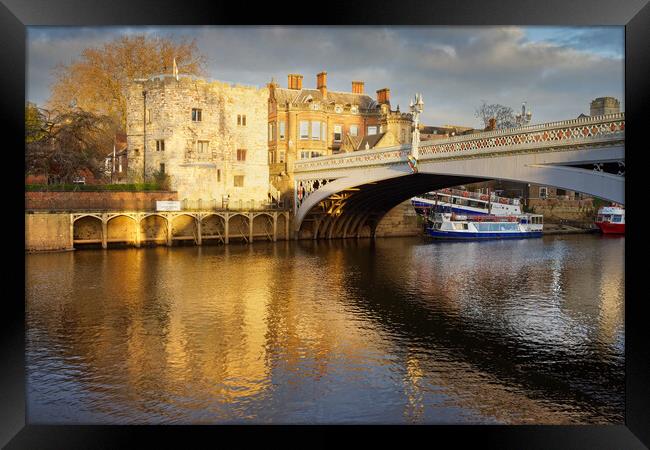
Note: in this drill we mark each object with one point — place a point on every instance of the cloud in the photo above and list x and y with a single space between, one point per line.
558 71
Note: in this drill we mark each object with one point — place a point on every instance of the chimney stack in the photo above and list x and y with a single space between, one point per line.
492 124
357 87
295 81
321 83
383 96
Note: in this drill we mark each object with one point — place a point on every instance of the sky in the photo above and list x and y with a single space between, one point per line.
556 70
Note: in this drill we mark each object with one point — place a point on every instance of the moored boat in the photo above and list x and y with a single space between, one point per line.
611 220
464 202
454 226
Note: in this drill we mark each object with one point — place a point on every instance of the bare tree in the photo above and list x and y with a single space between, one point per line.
66 145
97 81
504 115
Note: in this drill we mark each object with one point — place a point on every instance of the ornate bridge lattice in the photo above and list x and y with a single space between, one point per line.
584 155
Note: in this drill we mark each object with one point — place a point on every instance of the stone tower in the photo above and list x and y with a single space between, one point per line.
604 105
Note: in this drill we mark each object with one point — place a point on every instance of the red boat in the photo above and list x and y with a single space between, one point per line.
611 220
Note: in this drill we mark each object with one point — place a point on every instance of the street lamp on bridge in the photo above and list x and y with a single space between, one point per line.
416 108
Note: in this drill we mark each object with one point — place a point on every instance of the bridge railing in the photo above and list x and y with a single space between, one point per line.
564 133
229 205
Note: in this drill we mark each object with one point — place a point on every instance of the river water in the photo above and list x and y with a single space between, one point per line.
400 330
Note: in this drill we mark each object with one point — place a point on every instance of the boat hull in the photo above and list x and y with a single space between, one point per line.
611 228
456 235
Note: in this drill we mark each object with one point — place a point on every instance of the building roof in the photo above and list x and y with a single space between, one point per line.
359 143
303 96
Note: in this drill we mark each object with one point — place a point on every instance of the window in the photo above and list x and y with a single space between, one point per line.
202 146
160 145
162 168
543 192
120 164
304 129
338 109
403 136
282 125
241 120
305 155
196 115
218 175
315 131
337 133
282 156
372 130
354 109
148 115
271 157
354 130
324 133
241 154
238 181
271 131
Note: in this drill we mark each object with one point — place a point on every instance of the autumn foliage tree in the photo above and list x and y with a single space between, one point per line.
97 81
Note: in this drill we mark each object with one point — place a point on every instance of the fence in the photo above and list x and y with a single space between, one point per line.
230 205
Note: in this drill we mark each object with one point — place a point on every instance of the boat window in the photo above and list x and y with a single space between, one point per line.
616 218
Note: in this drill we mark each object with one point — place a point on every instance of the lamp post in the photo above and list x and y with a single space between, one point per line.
524 118
144 136
416 109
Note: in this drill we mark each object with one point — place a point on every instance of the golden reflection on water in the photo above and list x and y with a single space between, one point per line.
270 332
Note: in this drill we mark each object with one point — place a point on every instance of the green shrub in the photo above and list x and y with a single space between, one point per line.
133 187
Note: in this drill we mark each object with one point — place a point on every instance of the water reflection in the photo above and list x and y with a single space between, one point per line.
399 330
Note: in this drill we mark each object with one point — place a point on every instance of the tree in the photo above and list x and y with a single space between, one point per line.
67 145
34 123
504 115
97 81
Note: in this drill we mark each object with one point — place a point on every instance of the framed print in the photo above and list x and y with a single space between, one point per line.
387 214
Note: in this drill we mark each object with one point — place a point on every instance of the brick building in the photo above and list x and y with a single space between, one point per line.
210 137
307 123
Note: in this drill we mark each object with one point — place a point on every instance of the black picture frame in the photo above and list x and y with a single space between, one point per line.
16 15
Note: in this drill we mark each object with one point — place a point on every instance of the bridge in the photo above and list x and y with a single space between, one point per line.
346 195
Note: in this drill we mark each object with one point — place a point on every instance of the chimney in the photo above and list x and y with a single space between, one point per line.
357 87
492 124
295 81
321 83
383 96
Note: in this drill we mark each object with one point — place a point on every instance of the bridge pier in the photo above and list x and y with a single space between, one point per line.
138 225
104 232
199 240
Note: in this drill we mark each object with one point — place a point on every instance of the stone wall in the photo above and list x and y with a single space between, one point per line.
556 210
402 220
47 232
200 156
82 200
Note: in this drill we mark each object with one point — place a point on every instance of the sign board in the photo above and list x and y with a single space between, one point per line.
168 205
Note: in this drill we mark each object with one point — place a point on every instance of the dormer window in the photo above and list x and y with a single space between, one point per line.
354 109
338 109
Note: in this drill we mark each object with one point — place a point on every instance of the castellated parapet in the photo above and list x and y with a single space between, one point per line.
210 137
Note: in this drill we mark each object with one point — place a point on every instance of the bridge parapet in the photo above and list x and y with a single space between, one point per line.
568 133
